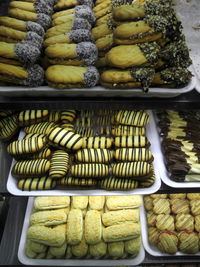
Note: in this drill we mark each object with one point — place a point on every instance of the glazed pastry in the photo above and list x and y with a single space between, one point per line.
188 242
80 11
28 117
65 4
184 222
140 51
133 246
113 183
64 28
99 250
72 76
49 217
151 218
131 141
25 146
192 196
18 41
78 182
30 168
161 206
40 128
93 170
40 18
58 252
165 222
127 202
80 250
37 7
101 31
134 118
37 247
96 202
131 169
84 53
195 207
47 203
167 242
20 25
116 249
74 227
180 206
46 235
153 235
93 227
177 196
97 142
79 202
59 164
126 130
133 154
94 155
74 36
8 127
30 184
121 232
65 139
148 203
120 216
31 76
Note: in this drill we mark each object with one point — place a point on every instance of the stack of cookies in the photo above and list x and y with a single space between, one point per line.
69 148
148 47
174 222
69 46
94 227
21 38
180 132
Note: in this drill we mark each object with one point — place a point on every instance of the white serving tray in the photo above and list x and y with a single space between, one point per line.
164 174
152 250
188 12
14 190
67 262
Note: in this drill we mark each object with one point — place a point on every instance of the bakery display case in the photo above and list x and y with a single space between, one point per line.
159 210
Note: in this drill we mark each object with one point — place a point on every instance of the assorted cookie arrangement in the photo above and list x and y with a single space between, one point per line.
131 45
173 222
84 227
140 44
79 149
179 131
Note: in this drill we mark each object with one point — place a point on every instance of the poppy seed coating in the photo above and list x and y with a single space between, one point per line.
44 20
35 76
35 27
81 24
43 7
85 12
34 39
88 52
26 53
81 35
86 2
91 77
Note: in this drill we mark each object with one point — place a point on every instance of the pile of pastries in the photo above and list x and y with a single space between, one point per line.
100 149
180 133
88 227
117 44
174 222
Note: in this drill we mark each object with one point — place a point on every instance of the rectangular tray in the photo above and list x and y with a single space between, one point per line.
164 174
97 91
13 189
152 250
67 262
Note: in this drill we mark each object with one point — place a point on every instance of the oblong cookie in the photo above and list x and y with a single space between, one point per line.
133 154
94 155
90 170
59 164
131 169
97 142
30 184
29 117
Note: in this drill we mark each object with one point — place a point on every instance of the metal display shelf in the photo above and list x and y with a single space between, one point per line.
189 100
12 233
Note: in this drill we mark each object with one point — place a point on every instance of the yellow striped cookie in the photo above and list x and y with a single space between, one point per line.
132 117
97 142
90 170
59 164
30 184
133 154
40 128
131 169
28 117
94 155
